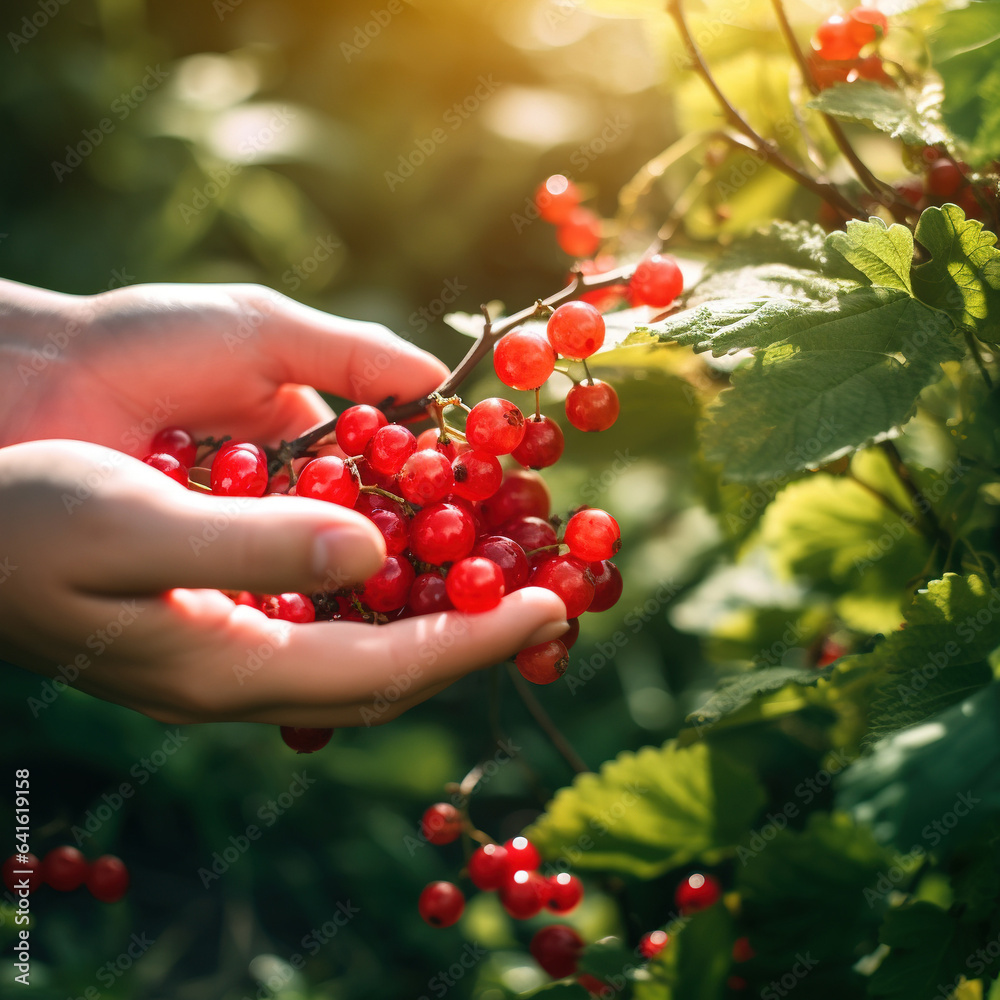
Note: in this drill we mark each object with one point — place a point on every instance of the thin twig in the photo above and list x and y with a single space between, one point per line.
544 720
828 192
978 358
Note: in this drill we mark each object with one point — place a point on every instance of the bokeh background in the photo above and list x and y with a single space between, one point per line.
250 140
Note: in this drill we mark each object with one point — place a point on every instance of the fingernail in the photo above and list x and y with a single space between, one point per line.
547 633
347 554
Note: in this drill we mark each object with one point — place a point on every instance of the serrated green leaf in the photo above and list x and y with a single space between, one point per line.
882 253
913 118
940 657
647 812
962 278
929 950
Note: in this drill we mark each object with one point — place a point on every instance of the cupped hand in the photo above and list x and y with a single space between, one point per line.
106 564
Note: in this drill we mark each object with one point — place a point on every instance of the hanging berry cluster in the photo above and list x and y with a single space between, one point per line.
66 869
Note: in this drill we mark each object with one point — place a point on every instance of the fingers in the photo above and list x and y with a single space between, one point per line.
360 361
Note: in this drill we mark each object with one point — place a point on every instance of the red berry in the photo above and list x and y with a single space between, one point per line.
866 25
523 894
389 588
944 179
177 442
570 579
834 39
441 533
394 530
594 985
16 873
743 950
509 556
871 68
426 477
441 823
495 425
522 493
368 503
168 465
557 949
544 663
389 448
653 943
580 234
657 281
429 594
289 608
64 868
523 359
607 586
521 855
542 444
247 599
441 904
592 405
576 330
569 637
910 189
697 892
475 584
556 197
303 739
371 477
593 534
108 879
531 533
736 983
239 470
331 479
565 892
488 867
477 474
355 427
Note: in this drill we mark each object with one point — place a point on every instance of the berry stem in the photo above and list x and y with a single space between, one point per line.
826 191
545 723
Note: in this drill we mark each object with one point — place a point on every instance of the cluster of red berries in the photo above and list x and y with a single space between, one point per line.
578 229
66 869
837 47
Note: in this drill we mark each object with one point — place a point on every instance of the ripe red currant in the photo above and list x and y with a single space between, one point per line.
441 533
389 448
521 493
177 442
592 405
239 470
389 588
509 556
441 904
651 944
544 663
570 579
488 868
557 949
475 584
168 465
495 425
556 197
595 986
108 879
834 39
356 426
576 330
394 529
593 534
866 25
944 179
523 894
607 586
17 873
542 444
441 823
429 594
657 281
303 739
331 479
426 477
743 951
521 855
531 533
565 892
580 234
697 892
289 608
523 359
569 637
64 868
477 474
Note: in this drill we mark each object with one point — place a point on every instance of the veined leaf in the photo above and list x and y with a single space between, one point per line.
882 253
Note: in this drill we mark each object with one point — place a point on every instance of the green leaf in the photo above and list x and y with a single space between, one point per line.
647 812
940 657
607 959
882 253
913 118
933 786
929 950
963 276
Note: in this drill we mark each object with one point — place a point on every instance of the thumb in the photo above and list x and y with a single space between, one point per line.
165 536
